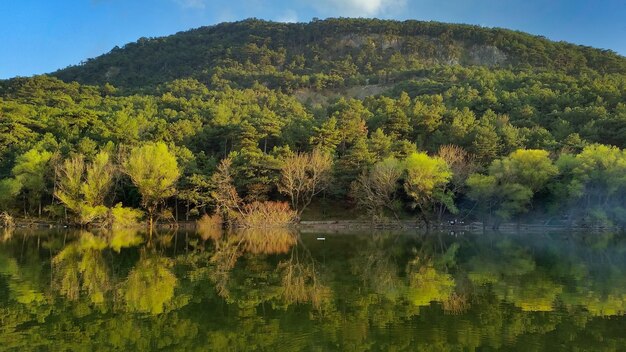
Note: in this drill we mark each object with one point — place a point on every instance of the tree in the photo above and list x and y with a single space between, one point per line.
196 192
227 200
349 166
483 190
461 165
380 144
376 190
511 184
426 115
153 169
31 170
304 176
595 181
327 136
83 188
486 143
9 191
529 167
425 177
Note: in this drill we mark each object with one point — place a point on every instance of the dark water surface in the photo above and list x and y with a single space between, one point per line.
277 290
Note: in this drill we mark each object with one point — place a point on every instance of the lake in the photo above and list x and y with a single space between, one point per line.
280 290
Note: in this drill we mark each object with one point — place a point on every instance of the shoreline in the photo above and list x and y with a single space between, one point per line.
336 225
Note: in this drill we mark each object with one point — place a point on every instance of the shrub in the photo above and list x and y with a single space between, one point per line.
6 220
210 226
266 214
121 217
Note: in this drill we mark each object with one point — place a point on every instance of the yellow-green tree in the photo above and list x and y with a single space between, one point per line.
83 188
30 172
153 169
424 181
512 182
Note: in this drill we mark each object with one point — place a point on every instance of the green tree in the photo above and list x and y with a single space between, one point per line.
327 136
31 170
425 178
83 188
512 182
529 167
153 169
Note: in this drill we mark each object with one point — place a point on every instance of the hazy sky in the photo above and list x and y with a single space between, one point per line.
38 36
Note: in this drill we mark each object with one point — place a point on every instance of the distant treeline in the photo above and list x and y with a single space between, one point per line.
330 53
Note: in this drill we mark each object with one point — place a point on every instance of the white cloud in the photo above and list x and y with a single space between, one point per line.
288 16
191 4
359 8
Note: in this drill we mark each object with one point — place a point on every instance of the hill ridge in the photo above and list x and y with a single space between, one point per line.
343 47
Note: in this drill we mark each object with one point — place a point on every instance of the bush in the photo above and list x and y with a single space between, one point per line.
6 220
266 214
210 226
121 217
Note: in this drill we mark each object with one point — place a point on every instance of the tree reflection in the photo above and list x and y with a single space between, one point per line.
150 286
270 290
267 241
80 266
300 281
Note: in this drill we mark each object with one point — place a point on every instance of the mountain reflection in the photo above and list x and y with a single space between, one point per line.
278 289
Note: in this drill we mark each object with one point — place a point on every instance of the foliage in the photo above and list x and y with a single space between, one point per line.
319 55
83 188
153 169
266 96
30 171
512 182
425 180
227 200
124 217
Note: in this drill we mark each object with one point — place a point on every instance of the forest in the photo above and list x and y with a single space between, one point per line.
257 122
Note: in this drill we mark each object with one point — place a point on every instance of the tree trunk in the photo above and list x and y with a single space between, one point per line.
150 225
176 211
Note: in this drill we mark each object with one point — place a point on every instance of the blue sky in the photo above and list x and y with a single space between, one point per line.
38 36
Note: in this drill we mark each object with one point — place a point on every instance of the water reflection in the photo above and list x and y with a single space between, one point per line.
277 289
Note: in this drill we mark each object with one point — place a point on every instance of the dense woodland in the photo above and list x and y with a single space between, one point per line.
385 119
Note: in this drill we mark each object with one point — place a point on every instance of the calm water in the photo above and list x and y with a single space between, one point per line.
282 291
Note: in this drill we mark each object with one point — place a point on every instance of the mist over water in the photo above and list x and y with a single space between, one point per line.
281 290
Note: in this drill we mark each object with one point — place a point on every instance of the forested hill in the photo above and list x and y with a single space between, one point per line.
330 53
406 118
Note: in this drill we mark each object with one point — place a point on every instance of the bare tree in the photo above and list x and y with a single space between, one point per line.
304 176
461 164
225 194
375 191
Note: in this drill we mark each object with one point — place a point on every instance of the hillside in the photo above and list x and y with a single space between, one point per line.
330 53
504 123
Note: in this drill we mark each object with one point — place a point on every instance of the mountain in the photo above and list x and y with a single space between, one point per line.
341 49
504 122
